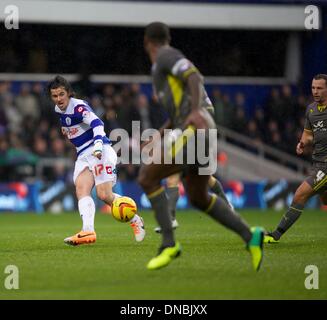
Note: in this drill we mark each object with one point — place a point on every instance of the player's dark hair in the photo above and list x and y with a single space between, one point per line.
58 82
157 32
321 76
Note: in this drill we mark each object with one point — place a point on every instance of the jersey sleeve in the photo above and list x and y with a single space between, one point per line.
307 123
183 68
90 118
177 65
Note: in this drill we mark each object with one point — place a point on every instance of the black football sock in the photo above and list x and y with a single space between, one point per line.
221 212
289 218
173 195
159 202
218 189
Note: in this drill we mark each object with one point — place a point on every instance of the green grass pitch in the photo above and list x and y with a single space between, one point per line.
214 264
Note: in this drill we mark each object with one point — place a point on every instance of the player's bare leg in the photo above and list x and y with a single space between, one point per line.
84 184
105 193
303 193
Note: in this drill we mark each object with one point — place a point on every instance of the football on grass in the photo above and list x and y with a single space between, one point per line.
123 209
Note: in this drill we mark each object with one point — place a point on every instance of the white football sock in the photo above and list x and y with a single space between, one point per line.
116 195
86 208
136 218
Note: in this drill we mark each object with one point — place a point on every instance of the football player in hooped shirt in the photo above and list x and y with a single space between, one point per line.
96 159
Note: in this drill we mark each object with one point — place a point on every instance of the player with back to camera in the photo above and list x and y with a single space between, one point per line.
179 87
96 159
315 135
173 181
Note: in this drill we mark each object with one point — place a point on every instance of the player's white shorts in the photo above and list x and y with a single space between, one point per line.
103 170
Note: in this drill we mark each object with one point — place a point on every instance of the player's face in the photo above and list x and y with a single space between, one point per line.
319 90
60 97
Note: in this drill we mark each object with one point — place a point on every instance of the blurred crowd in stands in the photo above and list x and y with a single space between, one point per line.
278 123
29 128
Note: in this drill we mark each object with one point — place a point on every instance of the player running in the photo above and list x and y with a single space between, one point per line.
172 191
315 135
96 159
179 87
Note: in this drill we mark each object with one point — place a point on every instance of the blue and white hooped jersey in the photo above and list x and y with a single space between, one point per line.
81 125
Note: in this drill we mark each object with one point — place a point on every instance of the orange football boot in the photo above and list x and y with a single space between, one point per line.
82 237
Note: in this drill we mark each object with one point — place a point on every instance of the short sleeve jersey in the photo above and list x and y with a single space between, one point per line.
170 73
316 122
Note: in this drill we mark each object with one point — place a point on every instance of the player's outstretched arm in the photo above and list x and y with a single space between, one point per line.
306 140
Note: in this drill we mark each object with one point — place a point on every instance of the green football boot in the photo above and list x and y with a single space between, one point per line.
269 238
255 247
165 256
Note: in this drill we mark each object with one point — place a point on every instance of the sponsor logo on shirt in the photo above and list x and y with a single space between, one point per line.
85 113
71 132
319 126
